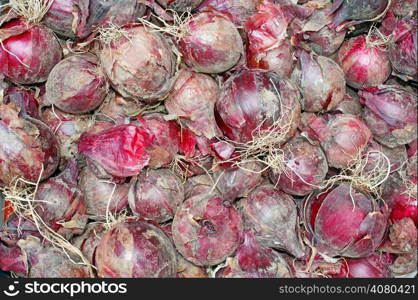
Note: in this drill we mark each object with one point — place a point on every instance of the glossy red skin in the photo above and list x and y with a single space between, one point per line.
76 85
156 195
122 150
249 97
26 100
97 194
304 163
374 266
267 46
363 66
198 116
320 80
166 142
272 215
252 260
390 113
206 229
339 228
34 45
342 137
66 15
27 147
403 52
404 206
135 249
220 54
62 205
139 65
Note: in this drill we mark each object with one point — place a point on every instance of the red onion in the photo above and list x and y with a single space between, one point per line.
25 99
404 206
28 149
198 116
121 151
119 109
206 229
305 168
350 104
100 195
390 112
186 269
397 156
166 142
272 215
344 221
402 8
28 52
89 240
349 13
239 10
76 85
252 260
257 99
320 80
139 64
156 195
11 256
342 137
61 204
67 17
364 65
403 51
267 47
373 266
135 249
180 5
211 44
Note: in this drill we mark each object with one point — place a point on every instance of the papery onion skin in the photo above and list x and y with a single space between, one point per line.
248 100
139 65
28 149
135 249
89 240
212 43
180 5
25 99
206 229
363 66
402 8
32 52
76 84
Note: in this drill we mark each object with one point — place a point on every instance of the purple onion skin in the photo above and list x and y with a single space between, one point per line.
272 215
180 5
344 222
25 99
248 100
135 249
89 240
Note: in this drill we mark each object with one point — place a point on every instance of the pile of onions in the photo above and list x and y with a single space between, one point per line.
121 151
198 116
135 249
28 149
272 215
305 168
211 43
28 52
252 260
344 221
267 46
391 114
156 195
342 137
76 85
320 80
139 63
363 63
206 229
253 100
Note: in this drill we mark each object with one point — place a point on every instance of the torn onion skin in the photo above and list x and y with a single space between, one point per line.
363 65
305 168
25 99
28 52
89 240
343 221
140 64
135 249
272 215
76 85
28 149
254 99
211 44
206 229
